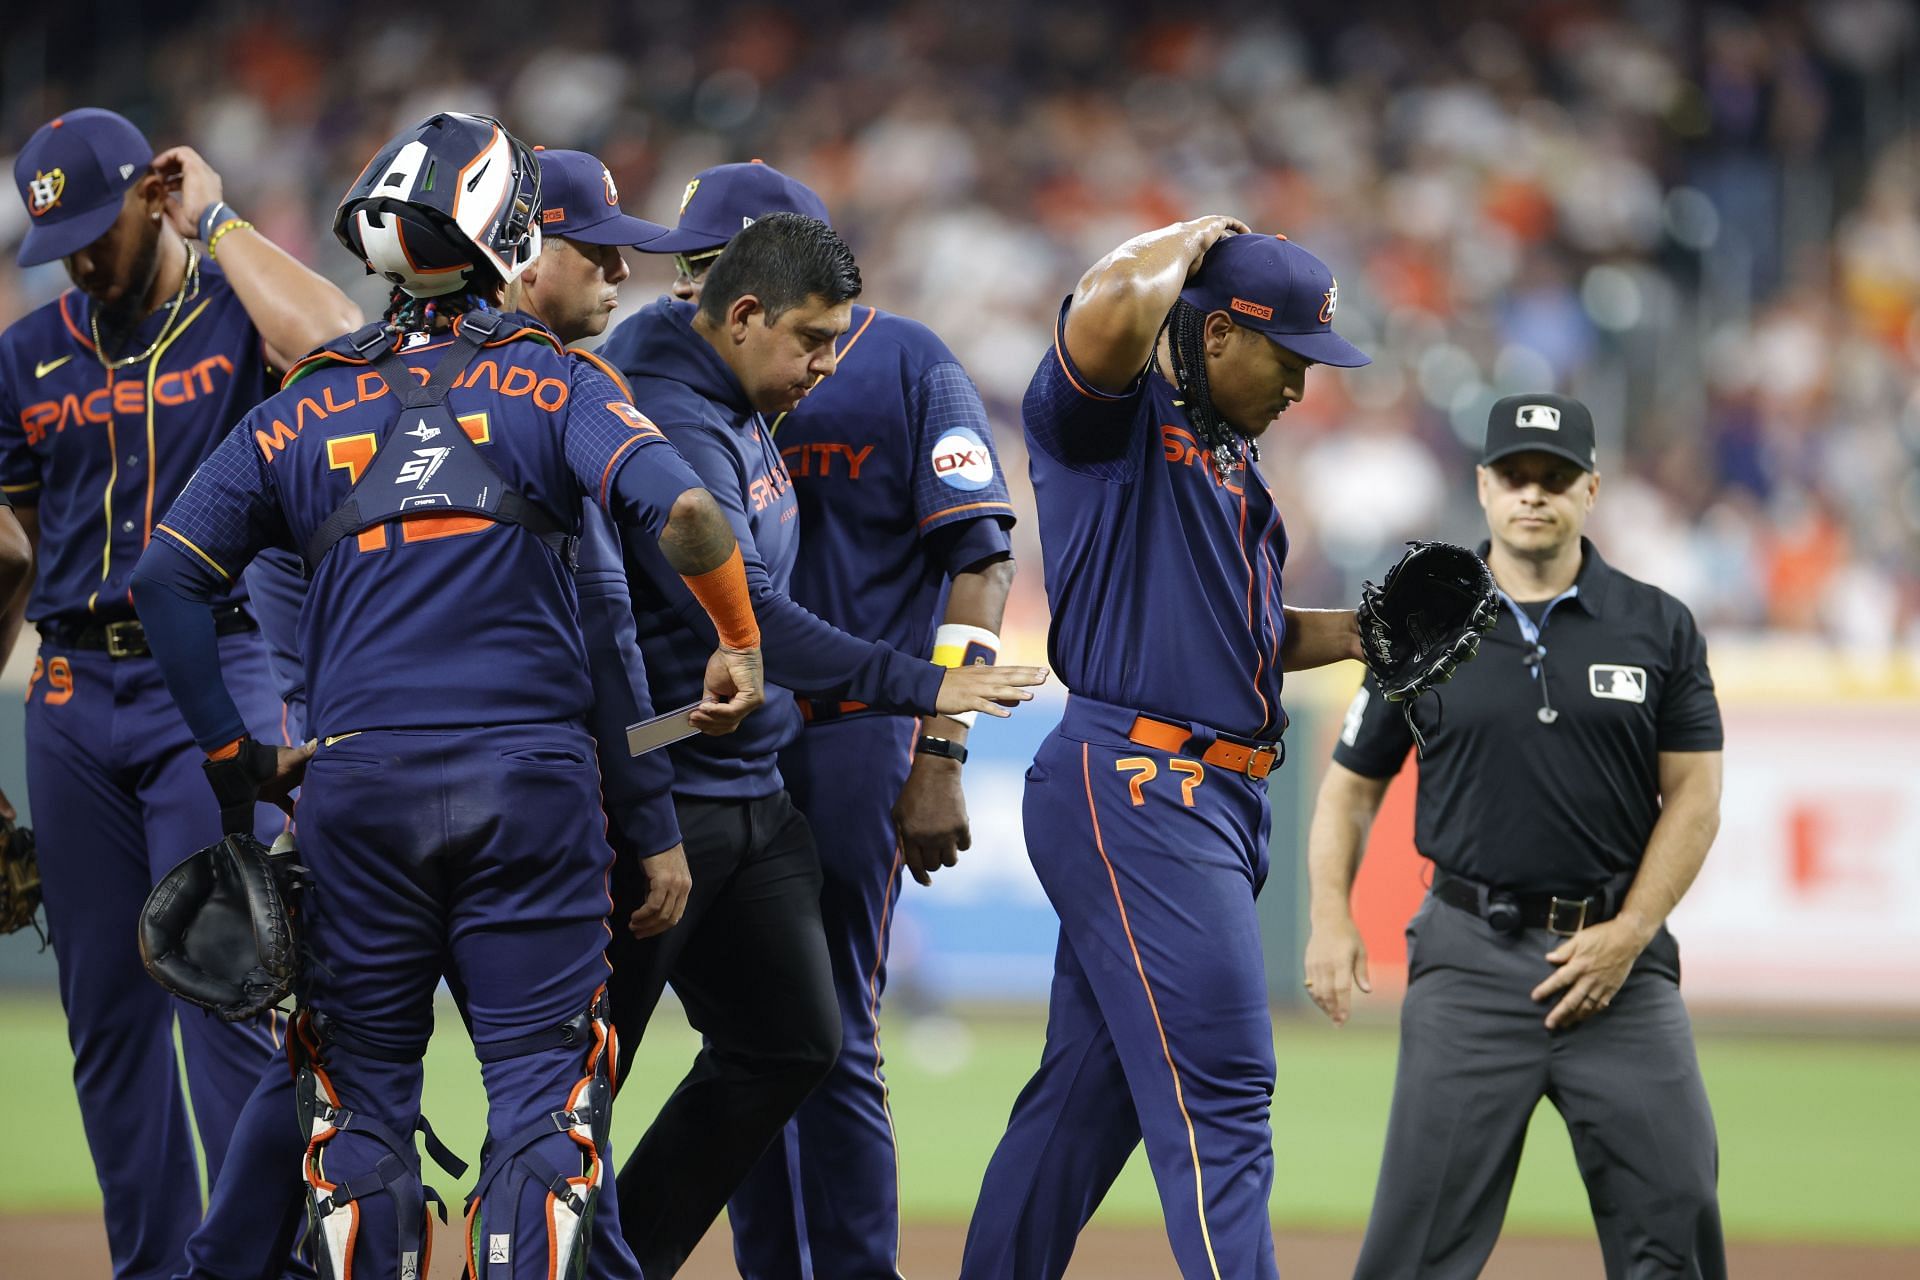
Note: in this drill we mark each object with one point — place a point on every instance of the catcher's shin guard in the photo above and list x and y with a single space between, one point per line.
351 1159
559 1158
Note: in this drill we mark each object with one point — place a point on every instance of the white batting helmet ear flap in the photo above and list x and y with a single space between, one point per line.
445 198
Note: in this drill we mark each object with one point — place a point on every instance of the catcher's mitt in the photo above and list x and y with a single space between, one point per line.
218 930
1426 619
19 879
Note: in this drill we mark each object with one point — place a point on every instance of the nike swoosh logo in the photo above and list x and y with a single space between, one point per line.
41 368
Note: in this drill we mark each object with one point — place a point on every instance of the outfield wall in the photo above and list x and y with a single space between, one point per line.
1811 897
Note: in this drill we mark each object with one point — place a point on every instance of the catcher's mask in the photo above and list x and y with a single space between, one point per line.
444 205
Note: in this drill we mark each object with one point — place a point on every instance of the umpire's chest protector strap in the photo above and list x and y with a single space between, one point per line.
424 461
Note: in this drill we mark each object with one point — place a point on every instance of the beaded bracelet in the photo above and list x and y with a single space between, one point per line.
231 224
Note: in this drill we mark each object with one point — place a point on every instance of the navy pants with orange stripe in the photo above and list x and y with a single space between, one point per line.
478 853
1158 1026
118 799
824 1200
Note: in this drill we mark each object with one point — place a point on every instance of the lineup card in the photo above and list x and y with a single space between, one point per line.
662 730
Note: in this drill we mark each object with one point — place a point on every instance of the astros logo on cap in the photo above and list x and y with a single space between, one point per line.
613 196
687 199
1328 301
43 190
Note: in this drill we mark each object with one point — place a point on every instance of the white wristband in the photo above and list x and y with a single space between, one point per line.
957 645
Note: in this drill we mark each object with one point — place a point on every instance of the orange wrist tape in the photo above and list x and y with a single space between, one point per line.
722 592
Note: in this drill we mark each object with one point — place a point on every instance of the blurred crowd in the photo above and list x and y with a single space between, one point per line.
1704 220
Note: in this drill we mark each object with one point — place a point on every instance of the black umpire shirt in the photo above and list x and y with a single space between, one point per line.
1545 775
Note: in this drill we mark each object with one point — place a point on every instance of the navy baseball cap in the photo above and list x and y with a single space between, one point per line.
578 201
728 197
1542 421
1271 284
72 175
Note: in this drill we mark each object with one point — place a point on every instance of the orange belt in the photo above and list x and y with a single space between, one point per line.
1255 762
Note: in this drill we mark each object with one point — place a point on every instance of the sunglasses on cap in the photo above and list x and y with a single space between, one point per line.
694 265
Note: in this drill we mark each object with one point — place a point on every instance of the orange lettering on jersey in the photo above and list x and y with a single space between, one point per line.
486 368
130 397
550 394
368 386
282 436
352 454
1182 448
326 399
518 382
817 459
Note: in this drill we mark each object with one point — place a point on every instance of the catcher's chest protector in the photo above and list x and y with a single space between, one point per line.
425 459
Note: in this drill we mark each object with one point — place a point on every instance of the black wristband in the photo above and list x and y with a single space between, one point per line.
236 783
928 745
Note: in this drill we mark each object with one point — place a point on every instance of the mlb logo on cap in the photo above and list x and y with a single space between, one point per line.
1541 422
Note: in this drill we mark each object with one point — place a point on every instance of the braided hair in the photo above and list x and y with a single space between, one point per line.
406 313
1186 327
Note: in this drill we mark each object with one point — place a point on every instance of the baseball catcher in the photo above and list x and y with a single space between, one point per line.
218 930
1424 620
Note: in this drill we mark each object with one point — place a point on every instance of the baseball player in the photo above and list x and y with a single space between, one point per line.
1146 810
110 396
569 287
428 472
1567 799
901 501
749 960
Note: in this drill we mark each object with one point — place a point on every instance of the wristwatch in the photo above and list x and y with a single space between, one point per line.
932 746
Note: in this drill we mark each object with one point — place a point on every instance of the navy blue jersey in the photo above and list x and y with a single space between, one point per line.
679 381
433 621
1163 575
102 455
893 463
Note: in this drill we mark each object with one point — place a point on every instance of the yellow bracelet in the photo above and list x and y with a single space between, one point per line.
231 224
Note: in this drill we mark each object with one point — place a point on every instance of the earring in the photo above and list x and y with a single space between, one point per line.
154 216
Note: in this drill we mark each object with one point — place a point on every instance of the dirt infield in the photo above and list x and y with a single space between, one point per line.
74 1246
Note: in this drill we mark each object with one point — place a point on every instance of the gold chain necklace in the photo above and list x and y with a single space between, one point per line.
187 283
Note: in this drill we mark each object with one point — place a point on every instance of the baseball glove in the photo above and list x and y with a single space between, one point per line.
218 930
19 879
1425 619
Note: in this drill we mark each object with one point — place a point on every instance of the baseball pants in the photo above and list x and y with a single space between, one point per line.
119 797
477 852
1475 1060
749 963
825 1198
1157 1026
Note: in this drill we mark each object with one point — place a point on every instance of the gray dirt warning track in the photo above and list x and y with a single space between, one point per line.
73 1247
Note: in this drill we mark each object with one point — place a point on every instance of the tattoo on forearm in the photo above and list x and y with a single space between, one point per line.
697 537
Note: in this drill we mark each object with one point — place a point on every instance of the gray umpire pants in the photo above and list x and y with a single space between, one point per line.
1476 1058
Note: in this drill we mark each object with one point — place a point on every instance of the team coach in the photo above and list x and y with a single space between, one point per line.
1567 799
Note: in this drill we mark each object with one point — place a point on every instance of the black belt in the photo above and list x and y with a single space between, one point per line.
1509 913
128 639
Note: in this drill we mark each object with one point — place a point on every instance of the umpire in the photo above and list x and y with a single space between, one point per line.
1567 799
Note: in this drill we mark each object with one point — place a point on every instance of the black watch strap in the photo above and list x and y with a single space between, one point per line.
928 745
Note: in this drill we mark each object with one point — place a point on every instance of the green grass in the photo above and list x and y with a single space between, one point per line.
1816 1135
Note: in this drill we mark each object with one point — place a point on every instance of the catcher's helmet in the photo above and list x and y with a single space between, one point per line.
444 199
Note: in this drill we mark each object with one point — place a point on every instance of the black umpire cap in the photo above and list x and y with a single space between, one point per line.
1543 421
